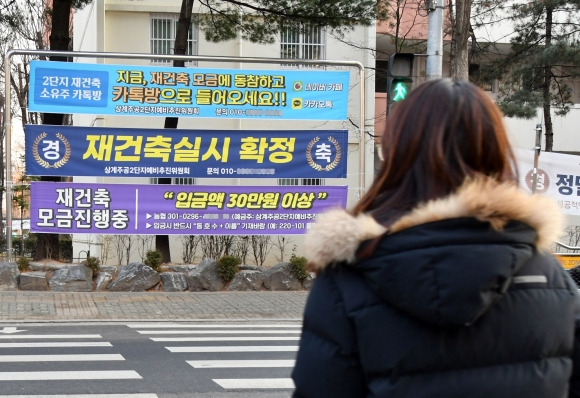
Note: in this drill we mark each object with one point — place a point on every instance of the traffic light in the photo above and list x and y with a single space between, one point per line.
399 77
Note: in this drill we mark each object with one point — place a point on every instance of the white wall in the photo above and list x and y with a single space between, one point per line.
522 132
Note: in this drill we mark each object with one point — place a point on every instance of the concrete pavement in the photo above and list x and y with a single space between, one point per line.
35 306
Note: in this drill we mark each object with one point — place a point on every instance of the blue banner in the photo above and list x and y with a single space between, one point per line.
130 90
123 152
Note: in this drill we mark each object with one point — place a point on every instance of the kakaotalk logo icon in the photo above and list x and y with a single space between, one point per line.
542 182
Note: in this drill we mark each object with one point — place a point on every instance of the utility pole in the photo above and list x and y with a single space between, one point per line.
435 39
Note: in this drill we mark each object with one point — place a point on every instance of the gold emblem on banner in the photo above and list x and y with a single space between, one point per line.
329 166
44 163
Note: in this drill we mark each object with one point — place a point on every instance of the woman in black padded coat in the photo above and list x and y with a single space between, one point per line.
439 283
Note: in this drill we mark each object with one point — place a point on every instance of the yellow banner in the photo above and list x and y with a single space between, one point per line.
568 260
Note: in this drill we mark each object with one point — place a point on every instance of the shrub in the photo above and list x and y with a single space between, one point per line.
153 259
298 267
30 246
93 263
228 267
23 264
29 243
66 249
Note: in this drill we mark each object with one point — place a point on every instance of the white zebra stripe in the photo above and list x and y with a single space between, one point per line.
244 363
231 384
242 348
83 396
70 375
55 344
218 332
50 336
240 338
205 326
61 358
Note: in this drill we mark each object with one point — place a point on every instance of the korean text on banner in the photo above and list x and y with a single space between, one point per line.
133 90
124 152
558 176
132 209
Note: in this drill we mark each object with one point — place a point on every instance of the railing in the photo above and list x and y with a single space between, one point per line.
568 260
567 246
79 258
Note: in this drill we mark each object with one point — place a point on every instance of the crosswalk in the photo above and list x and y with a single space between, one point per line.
224 347
230 358
43 366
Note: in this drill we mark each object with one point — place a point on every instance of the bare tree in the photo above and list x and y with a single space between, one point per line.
144 244
215 246
242 248
281 243
15 34
123 247
190 244
261 245
106 247
571 237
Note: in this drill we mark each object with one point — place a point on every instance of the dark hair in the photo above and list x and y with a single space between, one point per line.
441 134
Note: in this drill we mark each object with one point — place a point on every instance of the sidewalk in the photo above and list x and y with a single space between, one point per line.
34 306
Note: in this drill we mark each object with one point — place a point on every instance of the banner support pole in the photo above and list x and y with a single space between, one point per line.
537 150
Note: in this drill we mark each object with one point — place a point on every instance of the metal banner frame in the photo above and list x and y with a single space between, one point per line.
90 54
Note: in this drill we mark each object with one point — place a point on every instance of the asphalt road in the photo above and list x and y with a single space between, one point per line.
147 360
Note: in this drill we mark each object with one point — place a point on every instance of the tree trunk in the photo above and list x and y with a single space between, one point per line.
460 40
180 48
546 86
48 244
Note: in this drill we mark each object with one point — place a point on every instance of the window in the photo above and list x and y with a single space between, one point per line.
381 67
302 42
483 76
163 28
177 181
300 181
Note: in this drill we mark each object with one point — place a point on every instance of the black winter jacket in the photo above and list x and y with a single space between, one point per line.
459 299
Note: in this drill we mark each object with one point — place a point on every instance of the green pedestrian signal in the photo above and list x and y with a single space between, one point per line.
399 91
398 88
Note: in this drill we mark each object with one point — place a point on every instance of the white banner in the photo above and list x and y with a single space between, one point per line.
558 177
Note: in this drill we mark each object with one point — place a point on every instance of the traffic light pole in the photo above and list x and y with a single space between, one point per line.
435 40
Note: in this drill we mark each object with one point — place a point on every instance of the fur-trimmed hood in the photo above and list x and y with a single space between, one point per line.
337 235
447 261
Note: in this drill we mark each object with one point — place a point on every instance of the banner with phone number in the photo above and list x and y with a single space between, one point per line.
125 152
132 209
131 90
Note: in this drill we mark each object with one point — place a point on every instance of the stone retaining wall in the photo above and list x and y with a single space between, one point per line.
138 277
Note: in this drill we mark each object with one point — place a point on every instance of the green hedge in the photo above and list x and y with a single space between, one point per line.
228 267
